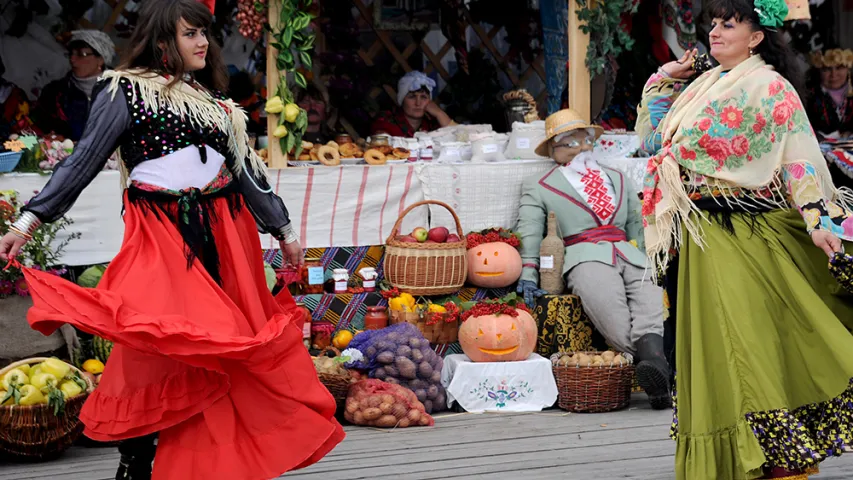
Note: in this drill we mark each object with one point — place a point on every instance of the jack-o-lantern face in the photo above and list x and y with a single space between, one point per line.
493 265
498 338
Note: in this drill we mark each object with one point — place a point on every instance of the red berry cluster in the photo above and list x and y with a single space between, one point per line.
483 309
451 315
476 239
355 290
390 293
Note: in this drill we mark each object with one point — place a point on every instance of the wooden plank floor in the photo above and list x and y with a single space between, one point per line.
630 444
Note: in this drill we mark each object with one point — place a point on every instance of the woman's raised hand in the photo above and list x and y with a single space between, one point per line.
682 68
10 245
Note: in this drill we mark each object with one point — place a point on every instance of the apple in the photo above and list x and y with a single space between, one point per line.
420 234
438 234
452 238
407 239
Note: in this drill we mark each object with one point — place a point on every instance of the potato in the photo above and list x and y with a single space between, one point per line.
385 358
379 373
386 421
371 414
564 360
404 423
417 356
399 410
348 417
392 381
393 337
432 392
619 360
370 352
428 406
438 364
404 351
415 342
358 418
406 368
388 398
414 416
436 377
425 370
608 356
418 384
373 401
386 408
573 362
421 394
597 359
352 405
440 401
424 421
383 345
392 371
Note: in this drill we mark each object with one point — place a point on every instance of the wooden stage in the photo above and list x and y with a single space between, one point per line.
629 444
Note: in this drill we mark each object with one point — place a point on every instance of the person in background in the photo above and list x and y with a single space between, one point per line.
63 106
312 101
242 90
14 107
830 107
416 112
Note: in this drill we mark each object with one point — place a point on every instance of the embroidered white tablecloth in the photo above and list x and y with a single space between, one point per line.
524 386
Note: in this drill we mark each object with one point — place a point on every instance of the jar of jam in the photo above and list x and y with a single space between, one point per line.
321 334
376 318
368 275
313 275
306 327
343 138
341 278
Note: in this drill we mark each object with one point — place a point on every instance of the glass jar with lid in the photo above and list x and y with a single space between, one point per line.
313 276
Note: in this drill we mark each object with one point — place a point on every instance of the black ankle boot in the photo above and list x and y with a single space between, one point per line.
137 458
653 372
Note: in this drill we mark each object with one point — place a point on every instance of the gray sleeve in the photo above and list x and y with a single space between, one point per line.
108 119
268 209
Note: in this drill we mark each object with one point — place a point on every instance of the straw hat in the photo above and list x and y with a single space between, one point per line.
564 121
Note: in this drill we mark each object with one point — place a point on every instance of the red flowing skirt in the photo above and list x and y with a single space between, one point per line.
219 370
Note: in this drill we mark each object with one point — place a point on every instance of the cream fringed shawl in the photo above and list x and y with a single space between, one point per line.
197 107
737 130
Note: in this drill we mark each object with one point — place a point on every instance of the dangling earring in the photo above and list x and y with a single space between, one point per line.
165 60
751 52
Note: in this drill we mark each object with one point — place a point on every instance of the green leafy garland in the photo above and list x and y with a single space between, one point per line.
602 21
292 38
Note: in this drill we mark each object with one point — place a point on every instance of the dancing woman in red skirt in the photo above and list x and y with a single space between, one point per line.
205 357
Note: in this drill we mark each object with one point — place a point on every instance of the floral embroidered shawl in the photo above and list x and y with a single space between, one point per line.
736 131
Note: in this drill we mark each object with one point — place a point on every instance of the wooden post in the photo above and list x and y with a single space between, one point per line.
579 80
277 158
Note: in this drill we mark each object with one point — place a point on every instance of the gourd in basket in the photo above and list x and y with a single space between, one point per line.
41 402
427 268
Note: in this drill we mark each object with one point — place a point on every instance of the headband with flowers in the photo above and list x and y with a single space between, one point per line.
835 57
771 13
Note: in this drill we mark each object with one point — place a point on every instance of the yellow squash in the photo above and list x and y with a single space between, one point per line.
31 395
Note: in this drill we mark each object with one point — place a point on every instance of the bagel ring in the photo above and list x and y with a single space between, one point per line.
307 145
348 149
400 153
374 157
333 144
329 156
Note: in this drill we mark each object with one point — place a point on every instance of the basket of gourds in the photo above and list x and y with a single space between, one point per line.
593 382
333 375
40 403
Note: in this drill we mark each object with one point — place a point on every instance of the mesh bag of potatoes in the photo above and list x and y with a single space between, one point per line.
379 404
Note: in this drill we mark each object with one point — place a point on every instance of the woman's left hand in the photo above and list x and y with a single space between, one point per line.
827 242
292 253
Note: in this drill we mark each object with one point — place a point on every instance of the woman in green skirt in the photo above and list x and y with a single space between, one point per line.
763 351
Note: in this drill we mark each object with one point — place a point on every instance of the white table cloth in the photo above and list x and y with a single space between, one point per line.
524 386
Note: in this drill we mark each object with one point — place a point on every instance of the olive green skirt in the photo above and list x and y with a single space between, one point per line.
763 357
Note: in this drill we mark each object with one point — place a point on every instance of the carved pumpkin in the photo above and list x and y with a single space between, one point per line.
498 338
493 265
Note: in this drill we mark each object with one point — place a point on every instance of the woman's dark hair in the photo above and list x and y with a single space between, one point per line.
310 91
774 50
158 24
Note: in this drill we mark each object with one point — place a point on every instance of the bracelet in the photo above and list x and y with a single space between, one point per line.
663 73
26 224
19 233
286 234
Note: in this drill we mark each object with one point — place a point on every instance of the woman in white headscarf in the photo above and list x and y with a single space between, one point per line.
63 105
416 112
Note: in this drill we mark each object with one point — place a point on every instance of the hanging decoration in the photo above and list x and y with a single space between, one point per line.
293 39
602 21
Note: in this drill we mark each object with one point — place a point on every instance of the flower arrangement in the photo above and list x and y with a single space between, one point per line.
38 253
491 235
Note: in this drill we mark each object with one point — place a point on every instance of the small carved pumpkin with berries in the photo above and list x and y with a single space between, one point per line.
493 258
